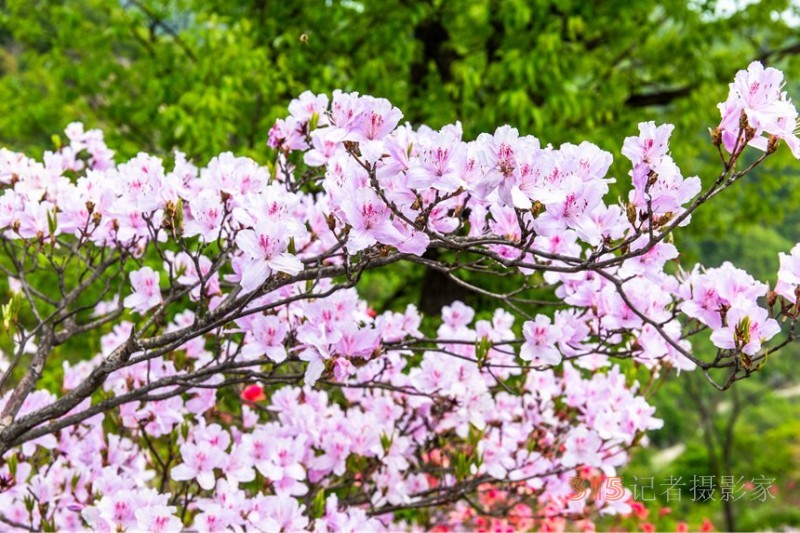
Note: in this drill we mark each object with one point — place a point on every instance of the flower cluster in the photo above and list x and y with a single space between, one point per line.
758 112
241 381
426 418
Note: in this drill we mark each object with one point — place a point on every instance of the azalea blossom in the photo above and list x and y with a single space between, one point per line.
757 93
266 334
199 463
789 274
540 341
146 292
747 328
266 250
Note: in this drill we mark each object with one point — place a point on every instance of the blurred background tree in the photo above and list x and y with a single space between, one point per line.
207 76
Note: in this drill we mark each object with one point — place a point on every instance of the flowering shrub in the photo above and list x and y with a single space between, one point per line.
241 382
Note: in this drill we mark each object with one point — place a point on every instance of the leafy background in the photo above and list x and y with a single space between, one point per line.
208 76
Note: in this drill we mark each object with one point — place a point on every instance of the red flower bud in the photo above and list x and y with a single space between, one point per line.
253 393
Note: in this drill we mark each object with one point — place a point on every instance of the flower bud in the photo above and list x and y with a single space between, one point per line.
537 208
772 297
253 393
716 136
630 211
772 144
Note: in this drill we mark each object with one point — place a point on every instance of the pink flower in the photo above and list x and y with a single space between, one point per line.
789 274
651 263
337 450
266 248
650 146
657 181
747 327
309 104
574 211
276 458
757 93
142 179
369 217
215 518
376 119
288 134
282 513
706 293
158 519
239 468
582 448
457 314
207 214
199 463
146 292
113 510
265 337
440 166
540 341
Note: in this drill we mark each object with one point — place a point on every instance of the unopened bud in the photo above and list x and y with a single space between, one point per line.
743 331
716 136
663 219
630 211
742 120
772 144
90 207
772 297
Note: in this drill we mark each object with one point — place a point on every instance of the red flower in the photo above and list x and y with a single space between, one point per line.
640 510
707 525
682 527
253 393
